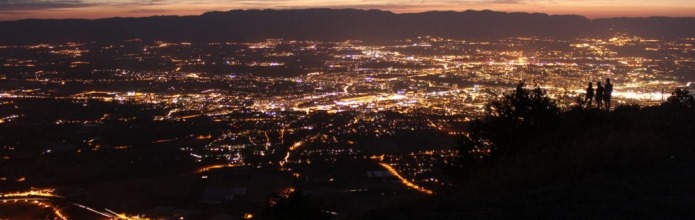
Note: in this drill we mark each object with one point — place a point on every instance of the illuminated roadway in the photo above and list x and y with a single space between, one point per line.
43 197
403 180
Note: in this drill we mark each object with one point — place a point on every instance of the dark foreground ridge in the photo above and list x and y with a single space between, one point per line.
337 24
631 163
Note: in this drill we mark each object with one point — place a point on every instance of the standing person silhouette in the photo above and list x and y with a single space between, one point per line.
607 93
599 94
589 95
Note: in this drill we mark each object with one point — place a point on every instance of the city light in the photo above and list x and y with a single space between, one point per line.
405 181
327 117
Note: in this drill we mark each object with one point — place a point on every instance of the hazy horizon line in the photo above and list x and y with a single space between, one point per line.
346 8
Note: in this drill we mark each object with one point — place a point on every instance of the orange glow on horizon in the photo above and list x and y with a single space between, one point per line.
589 8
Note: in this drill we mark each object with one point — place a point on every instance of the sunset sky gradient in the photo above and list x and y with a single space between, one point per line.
22 9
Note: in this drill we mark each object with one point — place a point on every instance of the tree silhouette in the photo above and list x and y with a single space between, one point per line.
508 123
681 97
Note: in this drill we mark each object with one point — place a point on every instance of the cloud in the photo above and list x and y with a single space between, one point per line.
32 5
27 5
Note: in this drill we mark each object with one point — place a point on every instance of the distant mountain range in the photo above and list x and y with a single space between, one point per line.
337 24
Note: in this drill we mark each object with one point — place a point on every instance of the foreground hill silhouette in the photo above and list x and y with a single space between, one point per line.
634 163
337 24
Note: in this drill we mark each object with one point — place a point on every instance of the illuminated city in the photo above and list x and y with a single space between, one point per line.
142 129
289 105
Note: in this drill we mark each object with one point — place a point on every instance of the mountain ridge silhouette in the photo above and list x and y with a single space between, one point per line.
338 24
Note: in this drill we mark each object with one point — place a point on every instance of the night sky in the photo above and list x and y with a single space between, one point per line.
22 9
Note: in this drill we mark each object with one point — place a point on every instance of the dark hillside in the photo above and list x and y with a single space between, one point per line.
631 163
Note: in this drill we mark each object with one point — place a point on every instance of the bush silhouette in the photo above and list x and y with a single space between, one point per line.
681 97
508 123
